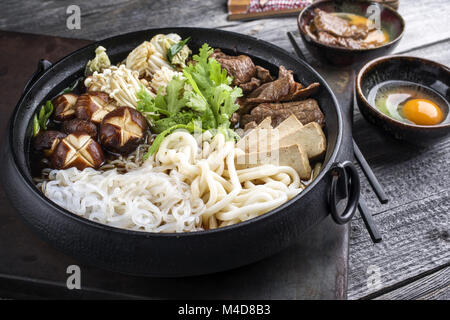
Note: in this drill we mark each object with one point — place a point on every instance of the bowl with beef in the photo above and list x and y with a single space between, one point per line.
347 32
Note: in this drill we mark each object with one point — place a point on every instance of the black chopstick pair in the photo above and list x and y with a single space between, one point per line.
379 191
365 213
362 207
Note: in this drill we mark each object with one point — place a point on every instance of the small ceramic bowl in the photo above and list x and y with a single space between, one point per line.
413 69
390 20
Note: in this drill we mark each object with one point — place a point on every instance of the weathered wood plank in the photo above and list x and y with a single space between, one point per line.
111 17
415 240
435 286
101 19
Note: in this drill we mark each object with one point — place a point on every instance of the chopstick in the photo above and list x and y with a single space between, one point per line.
369 174
368 221
379 191
297 49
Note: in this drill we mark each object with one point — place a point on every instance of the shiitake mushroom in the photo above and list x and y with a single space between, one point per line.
93 106
46 141
122 130
78 150
80 125
64 106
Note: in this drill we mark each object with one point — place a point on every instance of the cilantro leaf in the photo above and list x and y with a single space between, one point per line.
203 98
174 97
165 123
146 103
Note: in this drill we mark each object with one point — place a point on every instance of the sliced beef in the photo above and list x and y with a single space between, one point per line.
241 67
306 111
263 74
282 89
311 31
250 125
275 90
352 43
338 27
251 85
331 40
327 39
218 54
244 107
234 119
302 93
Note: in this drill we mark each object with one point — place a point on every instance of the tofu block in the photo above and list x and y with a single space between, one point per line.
250 142
265 124
310 137
292 156
290 124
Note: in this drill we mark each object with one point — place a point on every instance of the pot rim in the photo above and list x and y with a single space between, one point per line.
238 226
373 64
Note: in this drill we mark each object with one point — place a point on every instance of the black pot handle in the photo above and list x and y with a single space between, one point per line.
43 65
345 184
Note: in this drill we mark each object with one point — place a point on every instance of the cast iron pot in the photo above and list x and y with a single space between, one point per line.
185 254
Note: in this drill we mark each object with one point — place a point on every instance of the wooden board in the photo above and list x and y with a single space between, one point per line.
434 286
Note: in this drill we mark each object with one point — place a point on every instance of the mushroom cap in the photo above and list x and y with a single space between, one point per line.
80 125
93 106
78 150
47 141
122 130
64 106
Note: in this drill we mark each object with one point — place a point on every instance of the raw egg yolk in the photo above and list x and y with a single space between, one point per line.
422 112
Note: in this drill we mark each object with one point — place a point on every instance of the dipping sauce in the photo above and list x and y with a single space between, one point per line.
409 102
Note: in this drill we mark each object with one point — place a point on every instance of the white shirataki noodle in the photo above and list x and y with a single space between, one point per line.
190 184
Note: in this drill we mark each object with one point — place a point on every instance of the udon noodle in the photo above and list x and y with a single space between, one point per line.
190 184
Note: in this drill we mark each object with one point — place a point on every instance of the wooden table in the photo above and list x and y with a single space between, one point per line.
413 261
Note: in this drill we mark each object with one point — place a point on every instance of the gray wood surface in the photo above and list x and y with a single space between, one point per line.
414 256
434 286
